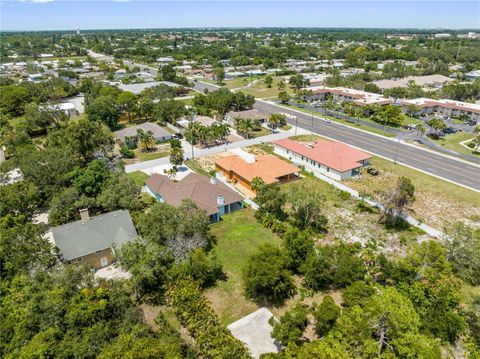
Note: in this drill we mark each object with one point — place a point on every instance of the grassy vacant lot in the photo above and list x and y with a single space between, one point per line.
438 202
138 177
259 89
238 236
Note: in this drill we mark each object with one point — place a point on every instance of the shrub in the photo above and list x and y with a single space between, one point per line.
326 315
291 326
126 152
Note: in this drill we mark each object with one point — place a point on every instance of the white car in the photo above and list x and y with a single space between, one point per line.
326 120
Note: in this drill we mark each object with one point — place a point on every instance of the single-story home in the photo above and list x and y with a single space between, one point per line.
139 87
202 120
67 107
159 133
332 159
253 114
208 194
269 168
92 241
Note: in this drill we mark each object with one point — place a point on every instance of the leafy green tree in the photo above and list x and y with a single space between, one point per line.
276 120
271 199
169 111
402 196
83 139
306 208
119 192
463 251
268 81
43 117
436 124
168 73
257 182
64 206
104 109
204 268
284 97
149 263
325 315
357 294
266 277
336 266
22 248
13 99
298 81
291 326
128 101
176 157
219 73
298 246
20 198
90 180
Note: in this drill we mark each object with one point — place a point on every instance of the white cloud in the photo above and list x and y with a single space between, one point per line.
37 1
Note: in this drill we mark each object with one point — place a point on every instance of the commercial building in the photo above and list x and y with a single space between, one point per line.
433 81
444 107
341 94
207 193
332 159
269 168
92 241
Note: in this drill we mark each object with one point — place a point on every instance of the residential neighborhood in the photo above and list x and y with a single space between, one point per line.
268 180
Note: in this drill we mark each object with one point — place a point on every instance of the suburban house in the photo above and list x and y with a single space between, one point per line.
207 193
92 241
433 81
202 120
159 133
332 159
253 114
449 108
138 88
341 94
67 107
269 168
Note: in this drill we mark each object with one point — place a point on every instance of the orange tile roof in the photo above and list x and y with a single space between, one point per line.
269 168
336 155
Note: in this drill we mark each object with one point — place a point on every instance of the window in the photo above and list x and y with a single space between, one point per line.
328 169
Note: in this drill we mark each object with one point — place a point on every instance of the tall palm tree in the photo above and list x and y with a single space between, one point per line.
191 134
145 139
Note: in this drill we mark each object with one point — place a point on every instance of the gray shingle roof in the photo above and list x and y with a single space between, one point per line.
157 131
80 238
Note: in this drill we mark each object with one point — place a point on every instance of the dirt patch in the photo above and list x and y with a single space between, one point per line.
150 312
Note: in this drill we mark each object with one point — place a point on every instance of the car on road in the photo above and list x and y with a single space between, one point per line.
326 120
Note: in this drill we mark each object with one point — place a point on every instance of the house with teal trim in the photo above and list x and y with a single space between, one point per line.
207 193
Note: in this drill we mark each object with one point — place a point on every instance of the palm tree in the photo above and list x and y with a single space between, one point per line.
420 130
256 183
244 126
176 156
192 134
145 139
328 105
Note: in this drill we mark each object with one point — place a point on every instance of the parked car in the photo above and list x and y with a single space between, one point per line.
178 135
449 130
373 171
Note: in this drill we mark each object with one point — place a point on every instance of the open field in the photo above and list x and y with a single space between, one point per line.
238 236
259 89
438 202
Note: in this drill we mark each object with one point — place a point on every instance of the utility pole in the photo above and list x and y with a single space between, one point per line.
396 152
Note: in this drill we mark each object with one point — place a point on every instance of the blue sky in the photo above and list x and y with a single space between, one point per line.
70 14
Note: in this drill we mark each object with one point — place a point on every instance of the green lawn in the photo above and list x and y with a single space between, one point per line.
238 236
452 142
262 132
147 156
138 177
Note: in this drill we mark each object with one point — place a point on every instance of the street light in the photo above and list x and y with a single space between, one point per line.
296 125
312 124
396 152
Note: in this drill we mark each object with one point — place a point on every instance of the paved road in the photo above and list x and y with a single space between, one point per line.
447 168
210 150
460 172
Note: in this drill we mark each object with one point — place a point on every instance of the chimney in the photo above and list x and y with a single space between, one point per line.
213 180
220 200
84 215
